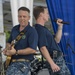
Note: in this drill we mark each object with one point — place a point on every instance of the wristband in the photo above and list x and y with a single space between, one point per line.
16 52
59 28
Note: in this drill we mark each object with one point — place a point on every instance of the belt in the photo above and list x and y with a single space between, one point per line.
19 60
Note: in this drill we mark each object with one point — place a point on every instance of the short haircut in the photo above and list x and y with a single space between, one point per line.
37 10
24 9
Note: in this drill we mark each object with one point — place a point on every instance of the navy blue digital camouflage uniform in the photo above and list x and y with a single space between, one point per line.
46 38
28 40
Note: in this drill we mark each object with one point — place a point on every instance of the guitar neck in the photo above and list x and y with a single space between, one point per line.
13 43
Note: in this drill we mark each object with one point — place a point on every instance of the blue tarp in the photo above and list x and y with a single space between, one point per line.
65 9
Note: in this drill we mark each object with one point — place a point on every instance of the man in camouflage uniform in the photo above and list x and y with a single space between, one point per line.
22 53
48 44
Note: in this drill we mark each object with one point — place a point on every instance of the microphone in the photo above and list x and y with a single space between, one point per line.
63 22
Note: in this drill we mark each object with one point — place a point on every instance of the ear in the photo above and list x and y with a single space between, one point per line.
41 14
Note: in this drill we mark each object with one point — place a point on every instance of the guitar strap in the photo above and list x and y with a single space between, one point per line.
19 36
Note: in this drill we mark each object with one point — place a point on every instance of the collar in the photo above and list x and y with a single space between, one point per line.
39 25
25 29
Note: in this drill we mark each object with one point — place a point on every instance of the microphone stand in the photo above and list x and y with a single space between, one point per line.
69 45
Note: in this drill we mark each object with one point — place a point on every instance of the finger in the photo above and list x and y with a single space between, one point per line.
56 70
59 20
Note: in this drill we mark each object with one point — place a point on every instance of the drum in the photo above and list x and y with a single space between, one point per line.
39 68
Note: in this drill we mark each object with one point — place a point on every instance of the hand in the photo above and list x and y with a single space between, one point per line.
4 51
55 67
9 52
59 22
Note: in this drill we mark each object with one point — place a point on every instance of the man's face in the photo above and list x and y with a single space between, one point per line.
23 17
45 15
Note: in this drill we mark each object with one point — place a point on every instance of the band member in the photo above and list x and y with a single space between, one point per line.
25 47
48 44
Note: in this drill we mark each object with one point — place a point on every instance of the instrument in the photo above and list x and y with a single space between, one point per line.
8 58
38 68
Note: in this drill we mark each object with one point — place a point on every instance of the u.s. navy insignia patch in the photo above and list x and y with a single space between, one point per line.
24 36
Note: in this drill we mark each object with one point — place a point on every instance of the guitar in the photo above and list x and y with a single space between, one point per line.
8 58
